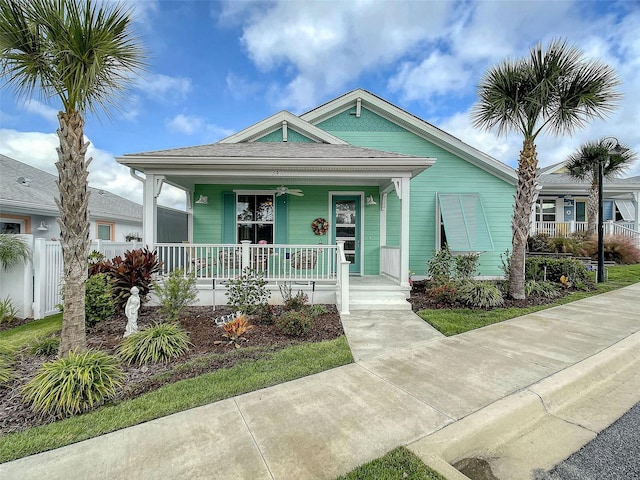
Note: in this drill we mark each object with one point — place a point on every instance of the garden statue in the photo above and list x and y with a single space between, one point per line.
131 311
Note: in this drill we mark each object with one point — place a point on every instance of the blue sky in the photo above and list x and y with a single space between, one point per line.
218 67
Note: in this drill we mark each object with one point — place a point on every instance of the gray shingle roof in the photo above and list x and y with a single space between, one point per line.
39 195
566 179
273 149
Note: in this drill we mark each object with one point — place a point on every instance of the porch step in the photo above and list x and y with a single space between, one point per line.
378 300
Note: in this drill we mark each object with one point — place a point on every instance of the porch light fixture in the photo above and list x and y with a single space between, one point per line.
43 227
203 200
617 150
370 200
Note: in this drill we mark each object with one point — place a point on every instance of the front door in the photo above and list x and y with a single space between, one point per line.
346 227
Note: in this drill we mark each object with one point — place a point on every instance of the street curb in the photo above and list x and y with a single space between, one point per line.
481 433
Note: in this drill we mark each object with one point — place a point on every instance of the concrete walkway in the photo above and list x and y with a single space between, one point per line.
409 386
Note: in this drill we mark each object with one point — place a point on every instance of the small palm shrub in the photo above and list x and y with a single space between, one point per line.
246 292
541 289
8 310
98 303
480 295
7 359
136 269
75 383
317 310
158 343
13 250
235 329
264 314
294 323
45 346
175 293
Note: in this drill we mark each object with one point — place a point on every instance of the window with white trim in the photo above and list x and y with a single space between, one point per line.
13 224
546 210
255 218
105 230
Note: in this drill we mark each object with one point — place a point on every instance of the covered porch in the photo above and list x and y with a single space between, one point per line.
253 205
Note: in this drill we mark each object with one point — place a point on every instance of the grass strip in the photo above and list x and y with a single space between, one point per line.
398 464
281 366
453 321
27 333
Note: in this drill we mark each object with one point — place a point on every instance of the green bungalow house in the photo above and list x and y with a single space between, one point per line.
349 200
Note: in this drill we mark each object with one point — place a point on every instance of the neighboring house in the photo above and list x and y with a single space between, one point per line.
27 206
391 186
561 206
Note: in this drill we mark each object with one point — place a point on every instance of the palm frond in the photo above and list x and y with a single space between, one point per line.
583 164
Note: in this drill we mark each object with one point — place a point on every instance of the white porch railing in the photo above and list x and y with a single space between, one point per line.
612 228
276 262
559 229
390 262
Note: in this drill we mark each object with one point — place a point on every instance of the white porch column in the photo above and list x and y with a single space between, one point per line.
190 201
150 209
404 231
636 201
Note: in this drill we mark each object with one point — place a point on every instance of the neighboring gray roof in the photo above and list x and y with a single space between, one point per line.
564 179
39 195
271 150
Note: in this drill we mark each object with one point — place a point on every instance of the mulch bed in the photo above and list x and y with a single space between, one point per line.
206 339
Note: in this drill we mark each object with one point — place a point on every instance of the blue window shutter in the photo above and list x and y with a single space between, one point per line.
228 217
281 235
626 209
607 210
465 222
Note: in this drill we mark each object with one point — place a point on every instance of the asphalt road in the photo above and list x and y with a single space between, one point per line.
613 455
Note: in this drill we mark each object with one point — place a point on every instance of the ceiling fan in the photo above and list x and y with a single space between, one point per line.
281 190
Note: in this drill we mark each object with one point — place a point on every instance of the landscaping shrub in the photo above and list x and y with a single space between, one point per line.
8 310
290 302
73 384
555 268
440 266
98 263
295 323
247 291
175 293
158 343
571 245
617 249
317 310
235 329
466 266
264 314
480 295
443 293
45 346
135 269
538 243
98 301
541 289
7 359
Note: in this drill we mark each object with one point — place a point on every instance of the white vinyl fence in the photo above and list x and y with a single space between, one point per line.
48 271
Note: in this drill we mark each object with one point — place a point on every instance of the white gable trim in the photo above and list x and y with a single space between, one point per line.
413 124
283 121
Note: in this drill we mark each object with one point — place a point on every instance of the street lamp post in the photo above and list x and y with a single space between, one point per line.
617 150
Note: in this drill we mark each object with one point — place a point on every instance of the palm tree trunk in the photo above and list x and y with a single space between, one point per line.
74 226
592 209
521 225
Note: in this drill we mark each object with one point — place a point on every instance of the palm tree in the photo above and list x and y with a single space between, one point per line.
83 54
583 165
556 91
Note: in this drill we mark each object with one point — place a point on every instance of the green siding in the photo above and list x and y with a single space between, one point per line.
300 212
450 174
367 122
292 136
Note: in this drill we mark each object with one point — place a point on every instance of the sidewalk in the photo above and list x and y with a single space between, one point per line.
324 425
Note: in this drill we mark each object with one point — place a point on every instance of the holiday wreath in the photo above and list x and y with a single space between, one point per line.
320 226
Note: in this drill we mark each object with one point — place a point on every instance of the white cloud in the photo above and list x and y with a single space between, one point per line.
164 87
48 113
186 124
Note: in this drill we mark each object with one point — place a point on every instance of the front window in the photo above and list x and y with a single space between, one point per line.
546 210
105 231
255 218
13 224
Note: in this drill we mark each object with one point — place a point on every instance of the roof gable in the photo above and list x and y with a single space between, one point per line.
282 122
359 101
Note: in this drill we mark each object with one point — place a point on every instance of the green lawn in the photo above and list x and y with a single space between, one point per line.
454 321
25 334
276 367
398 464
